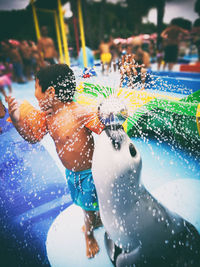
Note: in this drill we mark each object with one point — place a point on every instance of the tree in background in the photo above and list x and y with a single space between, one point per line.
197 7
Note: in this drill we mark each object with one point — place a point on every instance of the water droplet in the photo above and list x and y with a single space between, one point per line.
113 211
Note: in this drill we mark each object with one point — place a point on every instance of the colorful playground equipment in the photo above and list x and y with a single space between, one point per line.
178 82
150 112
190 67
176 74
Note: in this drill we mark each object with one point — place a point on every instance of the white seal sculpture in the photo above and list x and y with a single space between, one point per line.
139 230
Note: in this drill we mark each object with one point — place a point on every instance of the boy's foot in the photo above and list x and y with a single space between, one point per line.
92 220
92 247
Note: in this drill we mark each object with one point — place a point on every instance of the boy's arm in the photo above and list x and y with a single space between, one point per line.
29 122
185 32
93 123
164 33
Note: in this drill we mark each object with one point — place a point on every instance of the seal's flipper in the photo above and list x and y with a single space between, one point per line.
129 259
112 250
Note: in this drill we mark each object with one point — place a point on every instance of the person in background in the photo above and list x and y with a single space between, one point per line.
35 57
195 33
4 51
127 69
25 51
142 60
133 66
114 50
105 54
16 60
141 57
171 36
46 47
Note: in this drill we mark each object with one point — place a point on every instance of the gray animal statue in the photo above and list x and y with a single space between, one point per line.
140 231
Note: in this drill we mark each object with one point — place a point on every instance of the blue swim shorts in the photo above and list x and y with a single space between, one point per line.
82 189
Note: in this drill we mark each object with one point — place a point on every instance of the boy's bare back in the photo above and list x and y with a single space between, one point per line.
74 142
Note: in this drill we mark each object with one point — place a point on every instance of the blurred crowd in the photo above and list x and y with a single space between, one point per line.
19 60
174 46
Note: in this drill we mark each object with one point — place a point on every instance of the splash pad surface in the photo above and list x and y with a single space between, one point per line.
29 206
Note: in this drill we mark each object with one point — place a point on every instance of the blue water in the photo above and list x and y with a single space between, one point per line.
162 163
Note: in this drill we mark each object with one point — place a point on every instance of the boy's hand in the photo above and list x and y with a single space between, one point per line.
13 108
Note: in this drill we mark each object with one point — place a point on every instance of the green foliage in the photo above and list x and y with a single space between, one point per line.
197 7
184 23
16 25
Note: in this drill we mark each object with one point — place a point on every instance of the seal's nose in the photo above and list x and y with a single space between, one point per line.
116 135
112 111
116 144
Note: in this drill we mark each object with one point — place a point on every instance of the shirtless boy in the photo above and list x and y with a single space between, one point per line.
66 122
46 48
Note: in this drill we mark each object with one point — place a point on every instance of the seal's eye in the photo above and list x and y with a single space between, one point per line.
132 150
116 144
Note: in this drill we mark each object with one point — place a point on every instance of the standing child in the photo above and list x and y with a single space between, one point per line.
68 124
105 55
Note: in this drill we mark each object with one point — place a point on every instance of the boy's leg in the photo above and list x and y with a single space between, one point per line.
92 220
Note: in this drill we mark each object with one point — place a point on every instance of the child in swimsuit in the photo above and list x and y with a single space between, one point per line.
70 126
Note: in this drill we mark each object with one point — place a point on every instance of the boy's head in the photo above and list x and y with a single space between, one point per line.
58 77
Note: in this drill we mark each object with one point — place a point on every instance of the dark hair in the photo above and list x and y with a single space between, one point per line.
61 77
106 38
136 47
